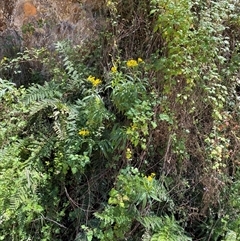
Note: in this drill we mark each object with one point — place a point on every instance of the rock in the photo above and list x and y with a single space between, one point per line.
43 22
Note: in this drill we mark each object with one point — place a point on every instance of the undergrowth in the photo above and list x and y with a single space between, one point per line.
135 137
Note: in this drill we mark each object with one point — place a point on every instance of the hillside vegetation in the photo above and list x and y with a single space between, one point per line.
131 135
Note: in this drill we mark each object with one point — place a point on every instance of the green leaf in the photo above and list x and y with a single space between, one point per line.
74 170
166 117
89 235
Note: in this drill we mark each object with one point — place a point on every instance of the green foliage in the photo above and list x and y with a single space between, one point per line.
130 97
193 65
5 86
100 144
131 202
168 230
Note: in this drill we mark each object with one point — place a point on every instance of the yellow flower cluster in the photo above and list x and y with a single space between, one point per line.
133 63
128 154
133 126
3 59
95 82
114 69
150 178
84 132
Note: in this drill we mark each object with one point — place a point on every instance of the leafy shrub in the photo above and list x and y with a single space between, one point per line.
143 147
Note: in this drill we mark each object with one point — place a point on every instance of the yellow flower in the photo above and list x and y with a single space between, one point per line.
133 126
114 69
128 154
132 63
95 82
91 78
83 132
3 60
140 60
150 178
153 174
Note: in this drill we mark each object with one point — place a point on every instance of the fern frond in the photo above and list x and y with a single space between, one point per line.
43 104
163 236
5 86
50 90
164 228
41 148
151 222
59 124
